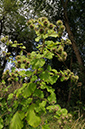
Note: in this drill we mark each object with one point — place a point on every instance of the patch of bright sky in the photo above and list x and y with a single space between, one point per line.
9 66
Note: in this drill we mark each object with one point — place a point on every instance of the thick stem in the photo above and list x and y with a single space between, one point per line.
70 90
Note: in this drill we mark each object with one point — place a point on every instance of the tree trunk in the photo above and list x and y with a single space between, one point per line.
2 67
70 90
71 36
1 24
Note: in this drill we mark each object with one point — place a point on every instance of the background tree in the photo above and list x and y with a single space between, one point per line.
13 18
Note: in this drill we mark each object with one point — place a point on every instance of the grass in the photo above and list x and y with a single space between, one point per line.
52 122
75 124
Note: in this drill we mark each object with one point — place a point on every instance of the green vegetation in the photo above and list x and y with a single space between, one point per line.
39 50
23 104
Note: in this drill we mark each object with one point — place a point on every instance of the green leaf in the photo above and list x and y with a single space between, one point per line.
49 55
10 109
38 38
16 122
1 123
58 114
32 118
34 78
22 115
13 69
62 78
51 108
26 102
49 77
45 76
19 91
54 70
42 105
10 96
49 67
54 35
29 90
33 54
38 93
64 111
23 47
53 79
46 126
42 85
28 73
14 45
22 72
37 63
52 98
3 81
40 62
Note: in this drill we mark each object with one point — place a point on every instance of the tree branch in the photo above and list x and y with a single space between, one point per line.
66 3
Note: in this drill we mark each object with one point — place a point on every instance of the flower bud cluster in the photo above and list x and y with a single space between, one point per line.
32 26
45 23
5 74
20 61
63 42
59 23
41 26
64 119
62 116
4 39
41 30
12 77
62 56
60 49
9 77
68 42
74 78
60 28
66 74
42 19
51 26
29 22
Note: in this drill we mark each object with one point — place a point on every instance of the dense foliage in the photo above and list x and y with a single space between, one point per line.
22 103
72 13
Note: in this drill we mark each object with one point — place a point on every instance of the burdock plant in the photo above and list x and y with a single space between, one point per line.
25 104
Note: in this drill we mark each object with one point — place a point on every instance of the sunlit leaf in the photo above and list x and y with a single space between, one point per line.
1 123
10 96
32 117
16 122
29 90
